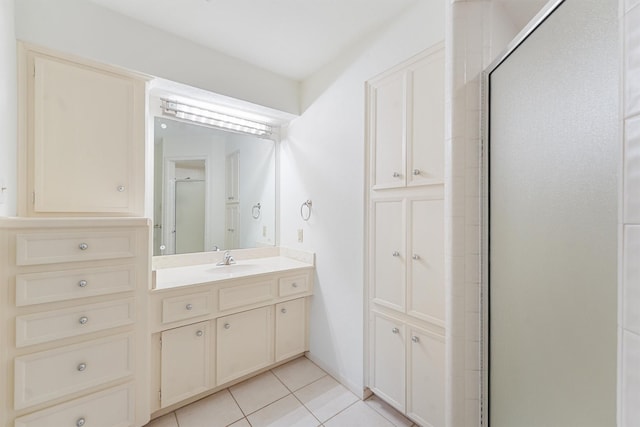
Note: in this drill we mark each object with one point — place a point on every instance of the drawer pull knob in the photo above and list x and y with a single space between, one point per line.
83 246
416 171
80 422
199 333
415 339
83 320
294 284
283 311
416 257
396 253
189 306
121 188
227 326
82 367
82 283
395 330
396 175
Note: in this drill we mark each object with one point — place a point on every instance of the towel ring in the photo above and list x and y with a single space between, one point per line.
255 211
307 215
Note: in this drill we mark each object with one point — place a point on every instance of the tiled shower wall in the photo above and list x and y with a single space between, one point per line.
629 303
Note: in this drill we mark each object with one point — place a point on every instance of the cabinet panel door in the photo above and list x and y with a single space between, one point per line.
426 121
426 293
388 132
426 374
232 181
87 142
291 328
232 222
186 361
388 266
244 343
388 360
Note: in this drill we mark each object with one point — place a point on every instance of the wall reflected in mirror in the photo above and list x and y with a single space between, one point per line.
213 189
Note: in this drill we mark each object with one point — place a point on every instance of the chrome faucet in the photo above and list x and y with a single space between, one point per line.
227 259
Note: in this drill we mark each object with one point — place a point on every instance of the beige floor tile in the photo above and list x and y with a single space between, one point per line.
168 420
286 412
218 410
325 397
387 411
258 392
241 423
358 415
298 373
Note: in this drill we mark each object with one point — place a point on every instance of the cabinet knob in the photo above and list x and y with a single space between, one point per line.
82 367
82 283
396 253
415 339
396 175
199 333
416 257
80 422
395 330
121 188
189 306
83 320
227 325
83 246
294 285
283 311
416 171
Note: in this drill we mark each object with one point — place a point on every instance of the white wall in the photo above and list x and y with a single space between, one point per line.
322 158
8 105
84 29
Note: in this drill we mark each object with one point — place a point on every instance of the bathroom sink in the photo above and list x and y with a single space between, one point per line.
233 268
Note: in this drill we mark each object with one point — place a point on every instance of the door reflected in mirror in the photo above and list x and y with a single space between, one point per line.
213 189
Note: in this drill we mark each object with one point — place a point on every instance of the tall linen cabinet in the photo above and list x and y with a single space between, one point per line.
405 236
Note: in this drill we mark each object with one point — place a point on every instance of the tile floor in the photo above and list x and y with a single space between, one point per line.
296 394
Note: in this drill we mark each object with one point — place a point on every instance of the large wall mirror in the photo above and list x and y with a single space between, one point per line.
213 189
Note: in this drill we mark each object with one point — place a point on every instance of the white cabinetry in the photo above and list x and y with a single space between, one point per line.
406 236
79 316
291 328
82 138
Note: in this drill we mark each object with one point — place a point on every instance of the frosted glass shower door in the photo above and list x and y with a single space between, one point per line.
553 156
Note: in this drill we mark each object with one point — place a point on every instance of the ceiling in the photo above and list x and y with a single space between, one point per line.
292 38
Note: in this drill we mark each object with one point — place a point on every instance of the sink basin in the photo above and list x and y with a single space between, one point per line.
233 268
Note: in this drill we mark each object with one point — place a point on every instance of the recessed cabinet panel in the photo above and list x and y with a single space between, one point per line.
244 343
426 299
425 156
388 360
426 387
86 139
388 265
389 132
291 328
186 361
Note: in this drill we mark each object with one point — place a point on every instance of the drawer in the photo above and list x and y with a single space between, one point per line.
38 288
244 295
51 248
111 408
52 374
43 327
293 285
186 307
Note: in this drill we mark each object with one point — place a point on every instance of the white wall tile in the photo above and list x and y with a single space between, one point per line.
630 390
632 62
631 279
632 171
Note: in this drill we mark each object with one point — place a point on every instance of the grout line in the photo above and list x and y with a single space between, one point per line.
392 409
354 403
305 406
175 415
237 404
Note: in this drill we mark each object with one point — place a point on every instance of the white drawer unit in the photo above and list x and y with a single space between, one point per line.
51 248
244 295
186 307
52 325
39 288
293 285
52 374
112 408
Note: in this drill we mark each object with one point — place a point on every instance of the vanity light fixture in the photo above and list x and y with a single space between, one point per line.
212 118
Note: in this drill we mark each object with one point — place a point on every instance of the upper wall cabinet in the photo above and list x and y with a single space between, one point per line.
406 123
83 138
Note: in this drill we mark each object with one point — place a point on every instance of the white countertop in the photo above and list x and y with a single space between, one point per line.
206 273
